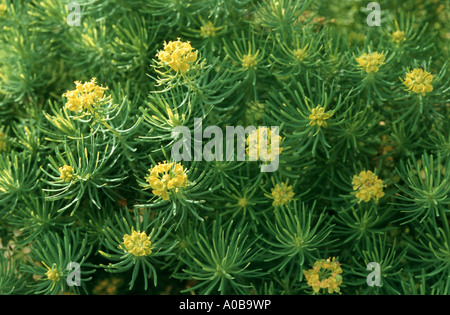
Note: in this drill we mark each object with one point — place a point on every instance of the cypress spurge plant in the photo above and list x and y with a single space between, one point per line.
111 157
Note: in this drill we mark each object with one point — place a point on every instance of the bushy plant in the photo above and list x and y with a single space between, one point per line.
104 178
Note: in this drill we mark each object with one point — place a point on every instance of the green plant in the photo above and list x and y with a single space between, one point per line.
114 155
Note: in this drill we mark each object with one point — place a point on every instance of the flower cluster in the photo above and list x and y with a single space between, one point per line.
66 173
261 147
282 194
85 95
319 116
368 186
398 36
166 176
138 243
326 274
419 81
250 61
178 55
208 30
300 53
371 62
52 273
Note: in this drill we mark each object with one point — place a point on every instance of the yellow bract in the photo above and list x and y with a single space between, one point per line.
84 96
371 62
166 176
250 61
262 148
368 186
326 274
419 81
178 55
318 116
398 36
138 243
66 173
208 30
282 194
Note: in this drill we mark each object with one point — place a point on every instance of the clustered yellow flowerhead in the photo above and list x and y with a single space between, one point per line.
2 141
85 95
52 273
367 186
319 116
419 81
262 147
398 36
178 55
300 54
138 243
325 274
208 30
282 194
371 62
166 176
249 60
66 172
242 202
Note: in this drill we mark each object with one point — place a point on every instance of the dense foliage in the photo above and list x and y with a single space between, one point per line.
88 114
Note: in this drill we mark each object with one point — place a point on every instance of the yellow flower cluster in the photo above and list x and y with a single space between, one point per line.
84 96
263 146
371 62
419 81
178 55
66 173
2 141
368 186
282 194
398 36
166 176
326 274
208 30
52 273
250 61
318 116
300 53
137 244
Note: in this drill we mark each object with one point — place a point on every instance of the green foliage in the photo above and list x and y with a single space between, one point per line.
78 183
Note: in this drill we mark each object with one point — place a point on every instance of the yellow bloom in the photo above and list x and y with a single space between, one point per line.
367 186
178 55
66 173
419 81
208 30
166 176
300 54
242 202
325 274
138 243
263 146
250 61
52 274
318 116
398 36
84 96
371 62
282 194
